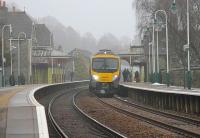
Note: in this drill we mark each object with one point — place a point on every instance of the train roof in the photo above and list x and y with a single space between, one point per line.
105 53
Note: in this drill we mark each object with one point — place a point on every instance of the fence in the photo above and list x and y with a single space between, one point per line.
179 78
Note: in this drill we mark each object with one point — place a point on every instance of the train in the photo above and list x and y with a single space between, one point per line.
105 70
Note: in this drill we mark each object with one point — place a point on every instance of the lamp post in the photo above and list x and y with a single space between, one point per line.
30 57
157 57
51 46
10 58
11 49
73 67
153 52
189 76
158 28
20 33
52 75
30 52
3 58
150 61
11 79
167 53
151 66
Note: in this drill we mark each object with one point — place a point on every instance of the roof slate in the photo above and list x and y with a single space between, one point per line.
20 22
43 35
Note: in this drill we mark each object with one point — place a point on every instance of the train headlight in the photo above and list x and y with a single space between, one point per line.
95 77
115 77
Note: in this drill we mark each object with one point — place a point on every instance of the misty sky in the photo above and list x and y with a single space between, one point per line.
95 16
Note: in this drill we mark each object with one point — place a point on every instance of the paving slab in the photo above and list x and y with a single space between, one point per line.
25 117
20 114
5 95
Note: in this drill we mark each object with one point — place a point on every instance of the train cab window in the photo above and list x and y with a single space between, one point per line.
105 64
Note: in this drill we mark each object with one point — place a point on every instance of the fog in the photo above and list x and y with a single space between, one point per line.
96 16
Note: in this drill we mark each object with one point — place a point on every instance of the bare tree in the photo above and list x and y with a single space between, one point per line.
177 25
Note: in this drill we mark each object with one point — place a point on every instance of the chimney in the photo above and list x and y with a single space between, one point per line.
4 4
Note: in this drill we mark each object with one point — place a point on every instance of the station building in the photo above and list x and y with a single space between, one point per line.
30 49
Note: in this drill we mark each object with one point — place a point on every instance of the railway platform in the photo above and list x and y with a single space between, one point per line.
21 116
163 88
163 97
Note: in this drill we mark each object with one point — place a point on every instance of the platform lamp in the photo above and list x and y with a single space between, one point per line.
167 51
187 46
12 47
18 56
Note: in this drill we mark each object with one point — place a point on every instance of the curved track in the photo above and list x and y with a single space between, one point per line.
157 119
106 129
64 117
60 132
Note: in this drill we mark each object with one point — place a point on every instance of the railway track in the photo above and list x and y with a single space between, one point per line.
166 122
57 128
63 115
159 112
106 129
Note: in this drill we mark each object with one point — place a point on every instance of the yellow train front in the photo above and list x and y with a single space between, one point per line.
104 73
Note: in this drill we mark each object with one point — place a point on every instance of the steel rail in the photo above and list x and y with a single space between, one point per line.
158 123
158 112
98 124
53 122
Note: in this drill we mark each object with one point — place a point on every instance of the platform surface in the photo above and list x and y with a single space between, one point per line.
20 117
163 88
5 95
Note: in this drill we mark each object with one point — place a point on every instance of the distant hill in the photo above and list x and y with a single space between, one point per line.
69 38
